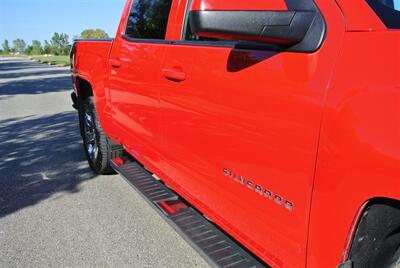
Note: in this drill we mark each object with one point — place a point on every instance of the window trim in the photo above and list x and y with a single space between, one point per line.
127 18
216 44
185 21
145 40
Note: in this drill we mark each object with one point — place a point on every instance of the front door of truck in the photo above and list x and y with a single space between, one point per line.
241 130
135 62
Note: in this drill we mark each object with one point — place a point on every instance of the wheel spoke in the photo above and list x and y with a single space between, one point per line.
95 152
90 137
88 121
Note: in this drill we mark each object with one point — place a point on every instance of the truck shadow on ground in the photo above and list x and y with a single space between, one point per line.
36 86
40 157
37 72
15 64
18 64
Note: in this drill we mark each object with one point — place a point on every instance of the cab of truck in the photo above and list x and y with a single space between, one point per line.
277 121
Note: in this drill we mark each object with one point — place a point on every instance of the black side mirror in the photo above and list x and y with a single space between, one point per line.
275 27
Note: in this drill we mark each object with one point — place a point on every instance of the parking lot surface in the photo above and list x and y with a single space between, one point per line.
54 212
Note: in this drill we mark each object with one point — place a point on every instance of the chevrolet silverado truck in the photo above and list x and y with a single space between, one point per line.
267 133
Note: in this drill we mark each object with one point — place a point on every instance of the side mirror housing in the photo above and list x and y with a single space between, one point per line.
276 27
299 26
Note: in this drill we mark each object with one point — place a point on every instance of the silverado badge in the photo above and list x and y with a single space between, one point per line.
261 190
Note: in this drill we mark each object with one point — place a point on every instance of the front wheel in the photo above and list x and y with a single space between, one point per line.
97 145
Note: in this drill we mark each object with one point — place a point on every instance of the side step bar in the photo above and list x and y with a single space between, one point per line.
214 246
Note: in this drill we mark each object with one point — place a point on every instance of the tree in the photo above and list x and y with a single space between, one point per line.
60 44
94 34
19 45
6 47
36 47
46 47
28 50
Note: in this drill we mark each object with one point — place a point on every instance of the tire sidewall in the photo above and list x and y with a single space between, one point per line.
100 165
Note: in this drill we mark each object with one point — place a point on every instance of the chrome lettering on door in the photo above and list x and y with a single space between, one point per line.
262 191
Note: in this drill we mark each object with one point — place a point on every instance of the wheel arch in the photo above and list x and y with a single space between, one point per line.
374 239
84 88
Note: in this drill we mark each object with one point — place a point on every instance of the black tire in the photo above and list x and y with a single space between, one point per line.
98 147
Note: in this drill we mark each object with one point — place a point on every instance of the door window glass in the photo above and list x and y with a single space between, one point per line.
148 19
388 11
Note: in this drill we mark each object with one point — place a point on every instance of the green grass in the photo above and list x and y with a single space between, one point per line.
53 60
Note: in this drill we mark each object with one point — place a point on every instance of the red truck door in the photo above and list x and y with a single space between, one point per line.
241 131
135 63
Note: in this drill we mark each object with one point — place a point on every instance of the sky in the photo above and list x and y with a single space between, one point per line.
39 19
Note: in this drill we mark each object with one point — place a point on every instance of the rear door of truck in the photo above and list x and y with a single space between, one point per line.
241 129
134 76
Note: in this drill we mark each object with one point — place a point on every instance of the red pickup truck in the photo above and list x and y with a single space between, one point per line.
265 132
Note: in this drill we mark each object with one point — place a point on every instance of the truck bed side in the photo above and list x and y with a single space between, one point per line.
89 60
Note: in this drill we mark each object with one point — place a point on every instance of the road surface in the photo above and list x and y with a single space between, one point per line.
54 212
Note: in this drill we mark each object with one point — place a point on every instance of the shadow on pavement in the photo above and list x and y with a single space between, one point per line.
19 74
36 86
39 157
8 65
23 68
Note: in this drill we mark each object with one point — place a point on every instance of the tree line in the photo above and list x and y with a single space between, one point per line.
58 45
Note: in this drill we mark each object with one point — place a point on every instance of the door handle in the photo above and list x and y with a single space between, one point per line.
115 63
174 75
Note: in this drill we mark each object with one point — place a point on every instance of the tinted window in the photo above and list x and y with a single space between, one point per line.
148 19
388 11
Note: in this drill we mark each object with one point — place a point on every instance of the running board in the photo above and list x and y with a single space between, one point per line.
213 245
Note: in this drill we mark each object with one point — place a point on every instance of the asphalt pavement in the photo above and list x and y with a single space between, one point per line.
54 212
